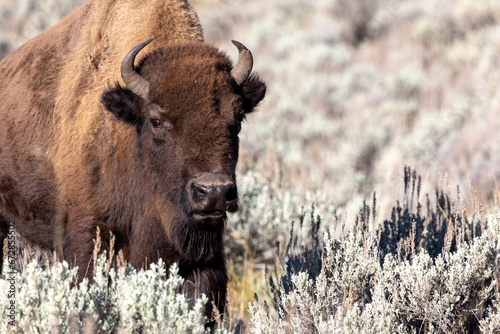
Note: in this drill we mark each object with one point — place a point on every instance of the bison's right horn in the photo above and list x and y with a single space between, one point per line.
244 66
137 84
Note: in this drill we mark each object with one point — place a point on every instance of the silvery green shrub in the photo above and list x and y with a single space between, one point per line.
267 213
491 324
122 301
454 292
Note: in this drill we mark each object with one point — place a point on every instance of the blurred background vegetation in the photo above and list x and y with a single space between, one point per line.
357 89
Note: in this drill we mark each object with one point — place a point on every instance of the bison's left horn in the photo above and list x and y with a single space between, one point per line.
244 66
137 84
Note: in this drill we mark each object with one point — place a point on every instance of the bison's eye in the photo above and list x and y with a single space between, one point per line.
240 118
156 123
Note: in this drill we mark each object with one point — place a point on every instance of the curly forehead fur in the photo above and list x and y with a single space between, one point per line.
190 77
195 64
195 52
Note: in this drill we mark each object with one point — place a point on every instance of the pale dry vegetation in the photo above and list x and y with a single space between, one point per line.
419 86
357 90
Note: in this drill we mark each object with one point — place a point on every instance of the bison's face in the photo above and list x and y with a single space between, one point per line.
187 104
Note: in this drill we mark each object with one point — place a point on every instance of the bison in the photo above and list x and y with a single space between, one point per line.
91 138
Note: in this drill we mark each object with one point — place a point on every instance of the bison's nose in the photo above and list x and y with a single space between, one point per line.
213 194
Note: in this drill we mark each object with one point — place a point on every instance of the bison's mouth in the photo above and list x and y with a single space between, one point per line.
211 213
209 219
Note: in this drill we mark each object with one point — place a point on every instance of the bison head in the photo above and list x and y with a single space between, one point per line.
187 104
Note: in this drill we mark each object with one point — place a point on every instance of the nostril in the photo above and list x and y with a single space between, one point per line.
199 192
231 194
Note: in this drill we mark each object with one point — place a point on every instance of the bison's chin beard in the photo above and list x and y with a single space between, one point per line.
198 238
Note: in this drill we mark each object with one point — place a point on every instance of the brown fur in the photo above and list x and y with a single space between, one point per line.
78 149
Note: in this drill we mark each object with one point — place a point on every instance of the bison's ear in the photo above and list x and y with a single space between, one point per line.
123 103
252 92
